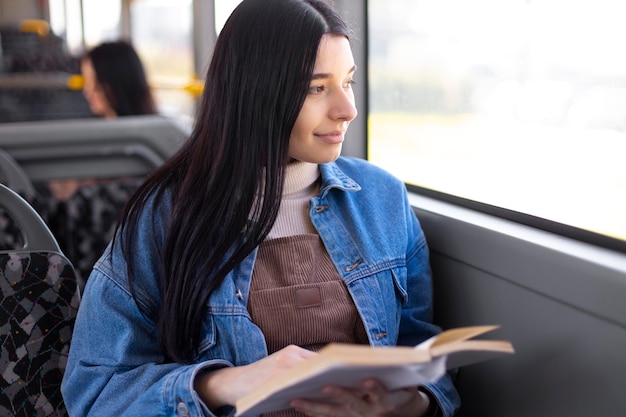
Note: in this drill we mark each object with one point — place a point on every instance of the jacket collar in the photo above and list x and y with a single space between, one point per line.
334 177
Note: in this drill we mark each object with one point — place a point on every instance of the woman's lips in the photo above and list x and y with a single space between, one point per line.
331 138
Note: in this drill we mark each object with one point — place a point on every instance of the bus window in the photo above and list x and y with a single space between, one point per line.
101 22
161 31
85 23
223 9
517 104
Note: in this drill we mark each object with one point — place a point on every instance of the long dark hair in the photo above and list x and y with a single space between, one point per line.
226 181
121 75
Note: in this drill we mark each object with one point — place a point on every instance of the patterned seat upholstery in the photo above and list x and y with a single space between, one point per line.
47 208
91 216
39 298
37 311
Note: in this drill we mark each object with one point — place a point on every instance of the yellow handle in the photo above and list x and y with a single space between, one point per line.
195 87
75 82
40 27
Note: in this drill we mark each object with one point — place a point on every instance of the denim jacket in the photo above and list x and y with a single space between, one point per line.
115 365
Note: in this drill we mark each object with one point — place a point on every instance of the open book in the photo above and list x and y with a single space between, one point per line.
396 367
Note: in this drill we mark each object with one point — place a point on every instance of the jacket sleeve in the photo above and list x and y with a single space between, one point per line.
115 366
416 323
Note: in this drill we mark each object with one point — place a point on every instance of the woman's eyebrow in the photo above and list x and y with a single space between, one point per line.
324 75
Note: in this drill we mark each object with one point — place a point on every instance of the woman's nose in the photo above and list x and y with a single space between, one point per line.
344 107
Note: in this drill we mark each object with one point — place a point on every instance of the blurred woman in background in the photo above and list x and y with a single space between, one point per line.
115 84
115 81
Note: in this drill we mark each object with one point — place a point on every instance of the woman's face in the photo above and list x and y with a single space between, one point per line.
92 90
318 133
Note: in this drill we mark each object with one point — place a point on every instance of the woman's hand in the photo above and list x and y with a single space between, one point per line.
371 400
226 385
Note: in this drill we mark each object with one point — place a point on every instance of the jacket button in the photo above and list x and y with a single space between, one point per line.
182 410
352 267
380 335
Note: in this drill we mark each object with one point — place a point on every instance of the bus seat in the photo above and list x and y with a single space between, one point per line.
34 67
118 154
91 216
92 148
14 42
13 176
36 234
37 96
39 300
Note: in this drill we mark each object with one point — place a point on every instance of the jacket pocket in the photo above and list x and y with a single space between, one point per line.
399 275
208 339
231 337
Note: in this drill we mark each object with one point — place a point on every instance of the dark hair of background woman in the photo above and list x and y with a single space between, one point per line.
121 75
227 179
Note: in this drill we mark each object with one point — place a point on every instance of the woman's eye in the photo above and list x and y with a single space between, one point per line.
316 90
349 84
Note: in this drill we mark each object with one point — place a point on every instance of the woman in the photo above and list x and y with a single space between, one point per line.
256 244
115 81
115 85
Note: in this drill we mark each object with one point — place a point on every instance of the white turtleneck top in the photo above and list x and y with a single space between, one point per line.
301 184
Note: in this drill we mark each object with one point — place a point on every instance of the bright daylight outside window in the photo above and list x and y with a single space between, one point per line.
223 9
519 104
161 31
85 23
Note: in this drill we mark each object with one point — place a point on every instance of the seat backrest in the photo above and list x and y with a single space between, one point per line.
38 305
13 176
92 214
36 234
92 148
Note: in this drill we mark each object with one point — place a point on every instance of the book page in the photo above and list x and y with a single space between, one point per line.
452 336
392 376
